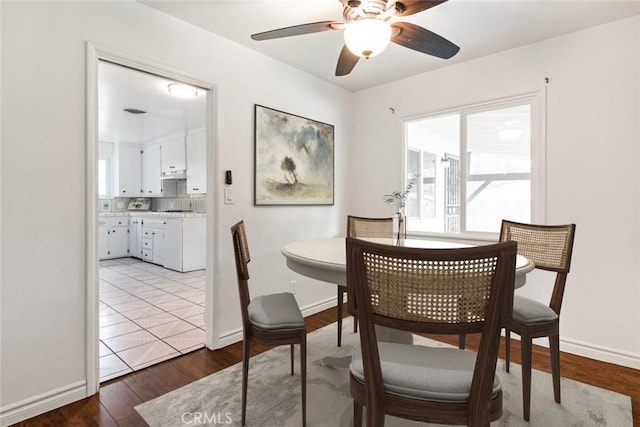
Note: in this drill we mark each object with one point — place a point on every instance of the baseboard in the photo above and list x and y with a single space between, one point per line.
584 349
601 353
320 306
234 336
42 403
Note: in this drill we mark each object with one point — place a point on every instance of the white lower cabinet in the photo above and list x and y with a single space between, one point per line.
153 240
113 237
173 242
185 242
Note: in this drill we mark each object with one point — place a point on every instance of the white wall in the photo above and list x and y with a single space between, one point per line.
43 179
593 140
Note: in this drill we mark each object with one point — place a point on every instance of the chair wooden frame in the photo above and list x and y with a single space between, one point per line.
270 337
550 248
358 226
392 278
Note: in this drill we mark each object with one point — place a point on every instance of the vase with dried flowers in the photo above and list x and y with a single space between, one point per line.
398 199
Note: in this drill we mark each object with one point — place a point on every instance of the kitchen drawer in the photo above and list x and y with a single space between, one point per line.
147 255
117 221
147 243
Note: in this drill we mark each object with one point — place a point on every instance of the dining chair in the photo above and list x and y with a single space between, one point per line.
549 247
362 227
422 291
273 319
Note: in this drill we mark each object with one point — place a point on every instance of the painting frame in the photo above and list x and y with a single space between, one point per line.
294 159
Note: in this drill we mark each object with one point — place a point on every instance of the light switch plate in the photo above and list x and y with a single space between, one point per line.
228 196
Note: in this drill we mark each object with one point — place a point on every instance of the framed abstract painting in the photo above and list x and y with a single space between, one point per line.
294 159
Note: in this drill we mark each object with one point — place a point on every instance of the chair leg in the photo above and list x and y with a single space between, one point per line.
526 344
461 341
245 374
375 416
554 348
292 356
340 303
355 325
507 348
303 376
357 414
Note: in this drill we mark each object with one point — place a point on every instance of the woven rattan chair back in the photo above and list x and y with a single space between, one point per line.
442 291
548 246
361 227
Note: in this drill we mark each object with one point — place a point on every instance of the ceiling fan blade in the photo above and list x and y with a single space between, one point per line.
346 62
297 30
420 39
409 7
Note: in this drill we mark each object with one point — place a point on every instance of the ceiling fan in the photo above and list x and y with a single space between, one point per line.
368 30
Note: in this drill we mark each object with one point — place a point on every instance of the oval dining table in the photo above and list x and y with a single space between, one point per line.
325 260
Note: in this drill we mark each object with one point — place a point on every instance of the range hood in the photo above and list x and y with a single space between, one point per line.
179 174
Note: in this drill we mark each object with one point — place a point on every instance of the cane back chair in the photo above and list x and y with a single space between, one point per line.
273 319
362 227
549 247
443 291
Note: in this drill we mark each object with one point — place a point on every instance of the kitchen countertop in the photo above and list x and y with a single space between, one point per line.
155 214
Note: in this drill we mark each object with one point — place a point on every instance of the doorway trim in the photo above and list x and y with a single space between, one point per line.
95 53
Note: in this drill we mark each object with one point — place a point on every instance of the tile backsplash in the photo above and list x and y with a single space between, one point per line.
182 202
160 204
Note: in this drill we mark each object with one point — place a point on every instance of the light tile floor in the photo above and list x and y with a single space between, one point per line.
148 314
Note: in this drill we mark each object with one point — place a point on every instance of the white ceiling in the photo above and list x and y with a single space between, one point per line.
120 87
479 27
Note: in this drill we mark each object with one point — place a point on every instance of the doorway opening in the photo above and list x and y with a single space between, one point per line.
148 170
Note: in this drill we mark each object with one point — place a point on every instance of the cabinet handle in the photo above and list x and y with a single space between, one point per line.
172 167
124 191
149 191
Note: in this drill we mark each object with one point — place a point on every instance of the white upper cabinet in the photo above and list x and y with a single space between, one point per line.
197 162
173 154
151 171
127 179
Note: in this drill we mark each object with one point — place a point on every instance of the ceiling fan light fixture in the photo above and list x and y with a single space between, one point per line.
367 37
182 90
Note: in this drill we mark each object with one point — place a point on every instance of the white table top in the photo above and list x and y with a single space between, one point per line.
325 259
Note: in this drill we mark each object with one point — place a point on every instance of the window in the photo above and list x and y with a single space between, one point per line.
472 167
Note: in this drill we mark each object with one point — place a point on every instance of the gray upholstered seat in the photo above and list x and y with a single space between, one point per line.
530 312
275 311
434 373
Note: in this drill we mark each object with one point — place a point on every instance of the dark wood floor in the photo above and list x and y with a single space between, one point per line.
113 405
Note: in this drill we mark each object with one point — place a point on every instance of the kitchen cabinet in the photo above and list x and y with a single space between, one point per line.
135 237
172 154
196 162
185 243
151 171
113 237
128 182
153 240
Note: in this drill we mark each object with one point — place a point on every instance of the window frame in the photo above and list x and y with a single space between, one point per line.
537 100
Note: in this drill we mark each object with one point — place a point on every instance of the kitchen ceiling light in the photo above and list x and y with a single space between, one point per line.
182 90
367 37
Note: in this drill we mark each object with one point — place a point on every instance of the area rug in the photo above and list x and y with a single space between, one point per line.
274 395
